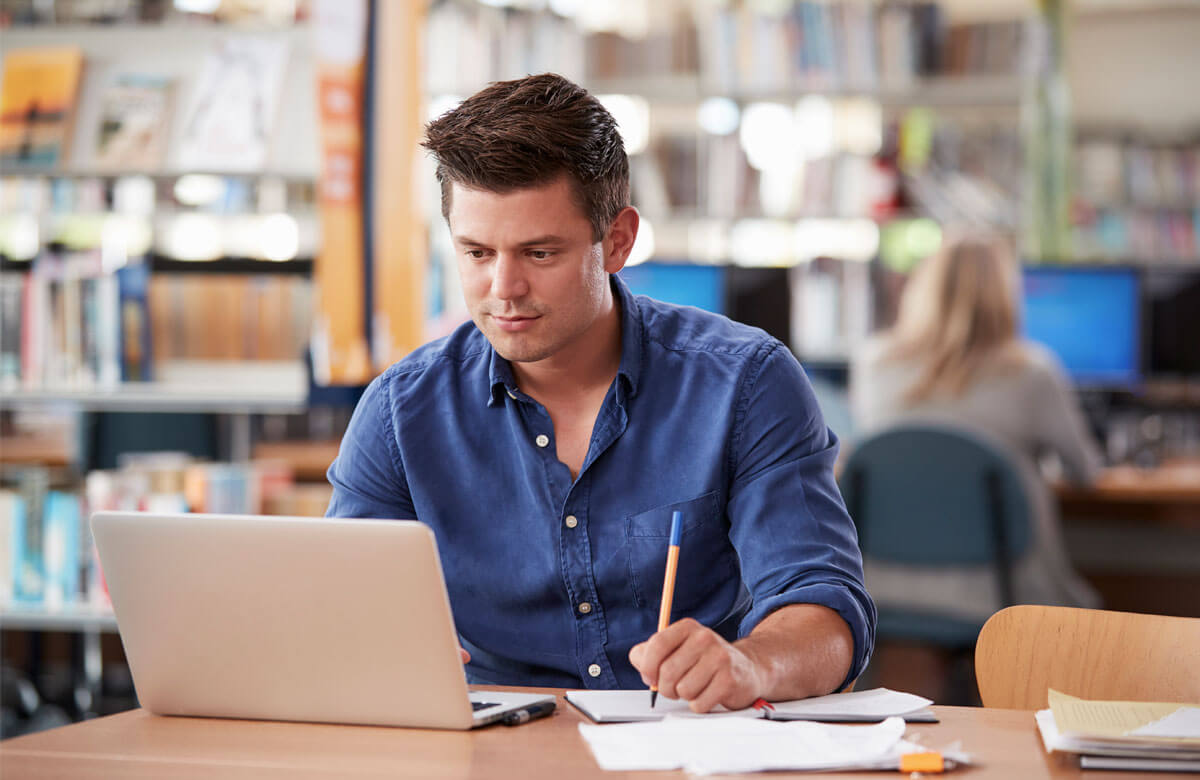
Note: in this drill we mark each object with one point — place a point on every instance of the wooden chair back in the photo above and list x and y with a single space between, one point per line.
1090 653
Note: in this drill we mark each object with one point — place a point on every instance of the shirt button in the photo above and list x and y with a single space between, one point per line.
510 394
584 608
594 670
572 521
542 440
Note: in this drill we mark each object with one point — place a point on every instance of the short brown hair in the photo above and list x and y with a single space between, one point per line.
527 132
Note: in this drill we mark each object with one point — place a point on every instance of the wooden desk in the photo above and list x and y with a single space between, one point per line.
1137 518
1168 494
137 744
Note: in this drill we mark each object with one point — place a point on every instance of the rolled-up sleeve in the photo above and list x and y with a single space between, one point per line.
794 537
368 475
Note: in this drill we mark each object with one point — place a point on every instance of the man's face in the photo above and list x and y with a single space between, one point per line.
533 279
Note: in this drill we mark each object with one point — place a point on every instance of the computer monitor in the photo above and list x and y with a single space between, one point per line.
1172 301
702 286
1089 317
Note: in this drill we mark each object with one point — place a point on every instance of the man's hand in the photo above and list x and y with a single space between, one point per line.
796 651
692 662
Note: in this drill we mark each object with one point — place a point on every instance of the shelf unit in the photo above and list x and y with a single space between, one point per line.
68 617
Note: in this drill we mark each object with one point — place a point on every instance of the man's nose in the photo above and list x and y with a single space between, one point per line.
508 278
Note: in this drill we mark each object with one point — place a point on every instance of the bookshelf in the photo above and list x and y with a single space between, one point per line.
217 387
906 101
73 617
1137 198
214 253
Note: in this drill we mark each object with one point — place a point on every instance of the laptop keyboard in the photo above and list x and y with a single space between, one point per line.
476 706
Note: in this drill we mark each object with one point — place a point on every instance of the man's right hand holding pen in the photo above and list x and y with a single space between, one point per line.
797 651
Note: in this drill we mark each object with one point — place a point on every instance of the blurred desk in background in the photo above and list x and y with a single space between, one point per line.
1135 535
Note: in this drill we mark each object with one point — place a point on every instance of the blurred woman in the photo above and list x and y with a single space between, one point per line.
955 357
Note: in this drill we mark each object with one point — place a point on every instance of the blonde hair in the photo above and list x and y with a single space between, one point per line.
958 313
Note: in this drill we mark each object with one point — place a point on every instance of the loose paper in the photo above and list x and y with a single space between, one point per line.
732 744
1183 723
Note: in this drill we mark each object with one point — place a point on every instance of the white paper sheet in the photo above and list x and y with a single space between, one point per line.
1183 723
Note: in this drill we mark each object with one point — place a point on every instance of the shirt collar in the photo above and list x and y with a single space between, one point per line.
500 375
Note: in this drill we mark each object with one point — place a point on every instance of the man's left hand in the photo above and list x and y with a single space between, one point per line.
692 662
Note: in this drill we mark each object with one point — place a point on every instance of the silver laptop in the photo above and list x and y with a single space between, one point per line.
290 618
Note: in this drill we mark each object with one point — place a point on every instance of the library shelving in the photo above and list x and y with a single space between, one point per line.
764 137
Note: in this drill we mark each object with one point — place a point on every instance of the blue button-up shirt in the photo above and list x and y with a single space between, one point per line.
553 580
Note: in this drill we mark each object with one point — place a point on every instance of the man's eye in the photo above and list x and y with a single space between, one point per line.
541 254
476 254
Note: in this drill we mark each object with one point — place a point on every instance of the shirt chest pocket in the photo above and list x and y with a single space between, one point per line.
706 557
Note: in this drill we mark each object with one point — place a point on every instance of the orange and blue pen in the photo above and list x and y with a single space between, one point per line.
668 592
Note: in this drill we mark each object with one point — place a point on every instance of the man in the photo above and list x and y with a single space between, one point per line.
549 441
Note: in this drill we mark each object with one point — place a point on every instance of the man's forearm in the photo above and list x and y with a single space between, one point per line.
801 650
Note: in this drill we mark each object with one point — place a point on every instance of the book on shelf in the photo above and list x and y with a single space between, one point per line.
134 123
134 353
230 118
37 104
11 291
12 511
63 553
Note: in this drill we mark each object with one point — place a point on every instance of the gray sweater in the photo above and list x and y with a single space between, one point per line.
1027 408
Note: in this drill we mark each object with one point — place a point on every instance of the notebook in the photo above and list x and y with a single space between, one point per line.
870 706
290 618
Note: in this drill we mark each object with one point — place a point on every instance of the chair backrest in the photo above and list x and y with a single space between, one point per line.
936 495
1090 653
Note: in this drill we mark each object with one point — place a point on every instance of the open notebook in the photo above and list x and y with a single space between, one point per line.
857 707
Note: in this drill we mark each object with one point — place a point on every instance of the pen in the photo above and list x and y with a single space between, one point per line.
664 611
526 714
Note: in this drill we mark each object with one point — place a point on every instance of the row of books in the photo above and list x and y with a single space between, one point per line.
227 124
1114 172
711 176
1146 235
70 323
855 44
229 317
495 44
850 45
936 165
110 12
65 193
46 554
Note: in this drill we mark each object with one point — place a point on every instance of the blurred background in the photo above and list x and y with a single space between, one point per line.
216 227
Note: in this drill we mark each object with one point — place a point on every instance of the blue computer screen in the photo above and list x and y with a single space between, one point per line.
1089 317
702 286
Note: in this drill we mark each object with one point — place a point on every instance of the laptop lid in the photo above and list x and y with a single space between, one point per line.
287 618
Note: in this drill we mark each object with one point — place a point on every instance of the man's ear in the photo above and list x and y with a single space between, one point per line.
618 243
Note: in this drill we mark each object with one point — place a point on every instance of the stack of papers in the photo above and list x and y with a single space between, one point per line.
869 706
1123 734
726 744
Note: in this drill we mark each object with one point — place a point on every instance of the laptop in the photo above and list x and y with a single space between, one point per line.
291 618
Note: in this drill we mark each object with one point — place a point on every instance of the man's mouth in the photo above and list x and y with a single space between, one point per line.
514 323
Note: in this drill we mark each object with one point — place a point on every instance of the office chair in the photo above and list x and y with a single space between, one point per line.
933 495
1090 653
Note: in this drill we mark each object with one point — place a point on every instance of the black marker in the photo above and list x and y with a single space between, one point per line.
526 714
